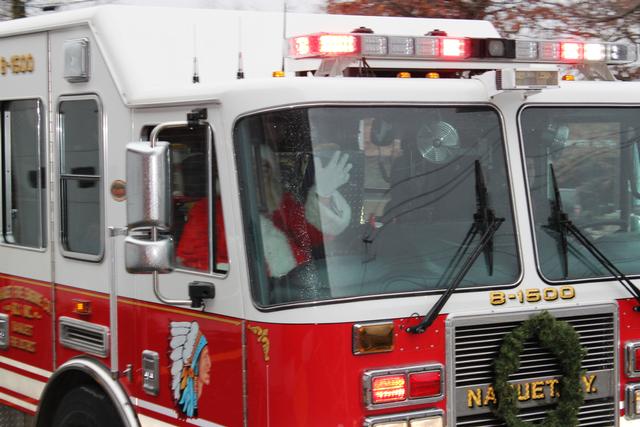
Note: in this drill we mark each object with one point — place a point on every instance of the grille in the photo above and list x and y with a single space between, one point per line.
84 336
476 342
593 413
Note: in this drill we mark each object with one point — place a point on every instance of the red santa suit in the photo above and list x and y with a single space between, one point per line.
291 232
288 234
193 248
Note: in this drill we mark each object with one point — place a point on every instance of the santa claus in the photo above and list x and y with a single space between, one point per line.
290 229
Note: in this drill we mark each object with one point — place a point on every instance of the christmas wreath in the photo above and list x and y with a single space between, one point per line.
561 340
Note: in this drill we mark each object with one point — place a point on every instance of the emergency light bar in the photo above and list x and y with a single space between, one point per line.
443 48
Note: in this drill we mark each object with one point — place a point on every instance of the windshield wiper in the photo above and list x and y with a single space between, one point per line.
486 224
559 221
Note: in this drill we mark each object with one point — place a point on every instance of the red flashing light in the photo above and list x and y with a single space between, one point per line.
571 51
637 359
389 388
425 384
454 48
318 45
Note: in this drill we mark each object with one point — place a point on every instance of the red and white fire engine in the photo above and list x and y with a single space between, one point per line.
365 225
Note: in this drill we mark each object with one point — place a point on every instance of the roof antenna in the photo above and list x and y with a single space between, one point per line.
196 76
284 32
240 73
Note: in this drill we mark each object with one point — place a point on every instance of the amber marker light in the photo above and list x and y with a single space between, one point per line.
369 338
569 78
403 75
277 74
389 388
432 75
82 307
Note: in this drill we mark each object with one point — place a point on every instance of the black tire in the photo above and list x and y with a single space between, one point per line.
86 406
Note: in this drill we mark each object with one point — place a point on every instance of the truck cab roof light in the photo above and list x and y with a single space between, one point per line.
373 45
596 52
500 48
321 45
571 51
526 50
401 46
455 48
435 46
549 51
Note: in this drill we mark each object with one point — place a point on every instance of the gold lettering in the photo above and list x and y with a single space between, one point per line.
537 390
22 344
22 328
526 395
474 397
489 397
27 312
15 64
29 60
552 387
3 66
13 309
589 381
20 292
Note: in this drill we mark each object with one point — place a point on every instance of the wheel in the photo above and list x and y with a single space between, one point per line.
86 406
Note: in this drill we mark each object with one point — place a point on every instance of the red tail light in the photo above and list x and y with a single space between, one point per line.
402 386
425 384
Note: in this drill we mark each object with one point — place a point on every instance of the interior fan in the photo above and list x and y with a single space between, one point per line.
438 142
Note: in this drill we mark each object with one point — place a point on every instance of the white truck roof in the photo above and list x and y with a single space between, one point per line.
150 50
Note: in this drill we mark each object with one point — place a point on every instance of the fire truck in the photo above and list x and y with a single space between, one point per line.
233 218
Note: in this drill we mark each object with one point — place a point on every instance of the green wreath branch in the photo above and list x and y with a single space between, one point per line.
563 342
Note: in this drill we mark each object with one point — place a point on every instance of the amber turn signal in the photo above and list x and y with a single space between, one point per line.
82 307
372 338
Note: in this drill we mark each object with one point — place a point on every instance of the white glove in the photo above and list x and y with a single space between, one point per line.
332 176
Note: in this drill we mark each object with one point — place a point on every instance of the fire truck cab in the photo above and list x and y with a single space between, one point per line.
225 218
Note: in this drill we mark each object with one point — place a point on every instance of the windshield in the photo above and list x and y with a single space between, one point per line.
345 202
594 155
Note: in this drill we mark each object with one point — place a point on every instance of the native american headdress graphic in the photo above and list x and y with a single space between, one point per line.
187 343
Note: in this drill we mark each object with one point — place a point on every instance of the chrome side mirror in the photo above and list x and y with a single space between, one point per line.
148 209
143 255
148 185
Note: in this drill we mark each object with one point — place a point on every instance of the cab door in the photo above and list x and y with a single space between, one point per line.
26 292
189 332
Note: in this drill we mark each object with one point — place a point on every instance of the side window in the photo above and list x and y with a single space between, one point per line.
23 160
80 135
198 224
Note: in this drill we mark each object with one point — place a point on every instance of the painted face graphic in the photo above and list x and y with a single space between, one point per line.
204 370
191 366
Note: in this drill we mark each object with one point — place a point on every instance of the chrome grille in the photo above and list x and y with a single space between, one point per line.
84 336
476 341
593 413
